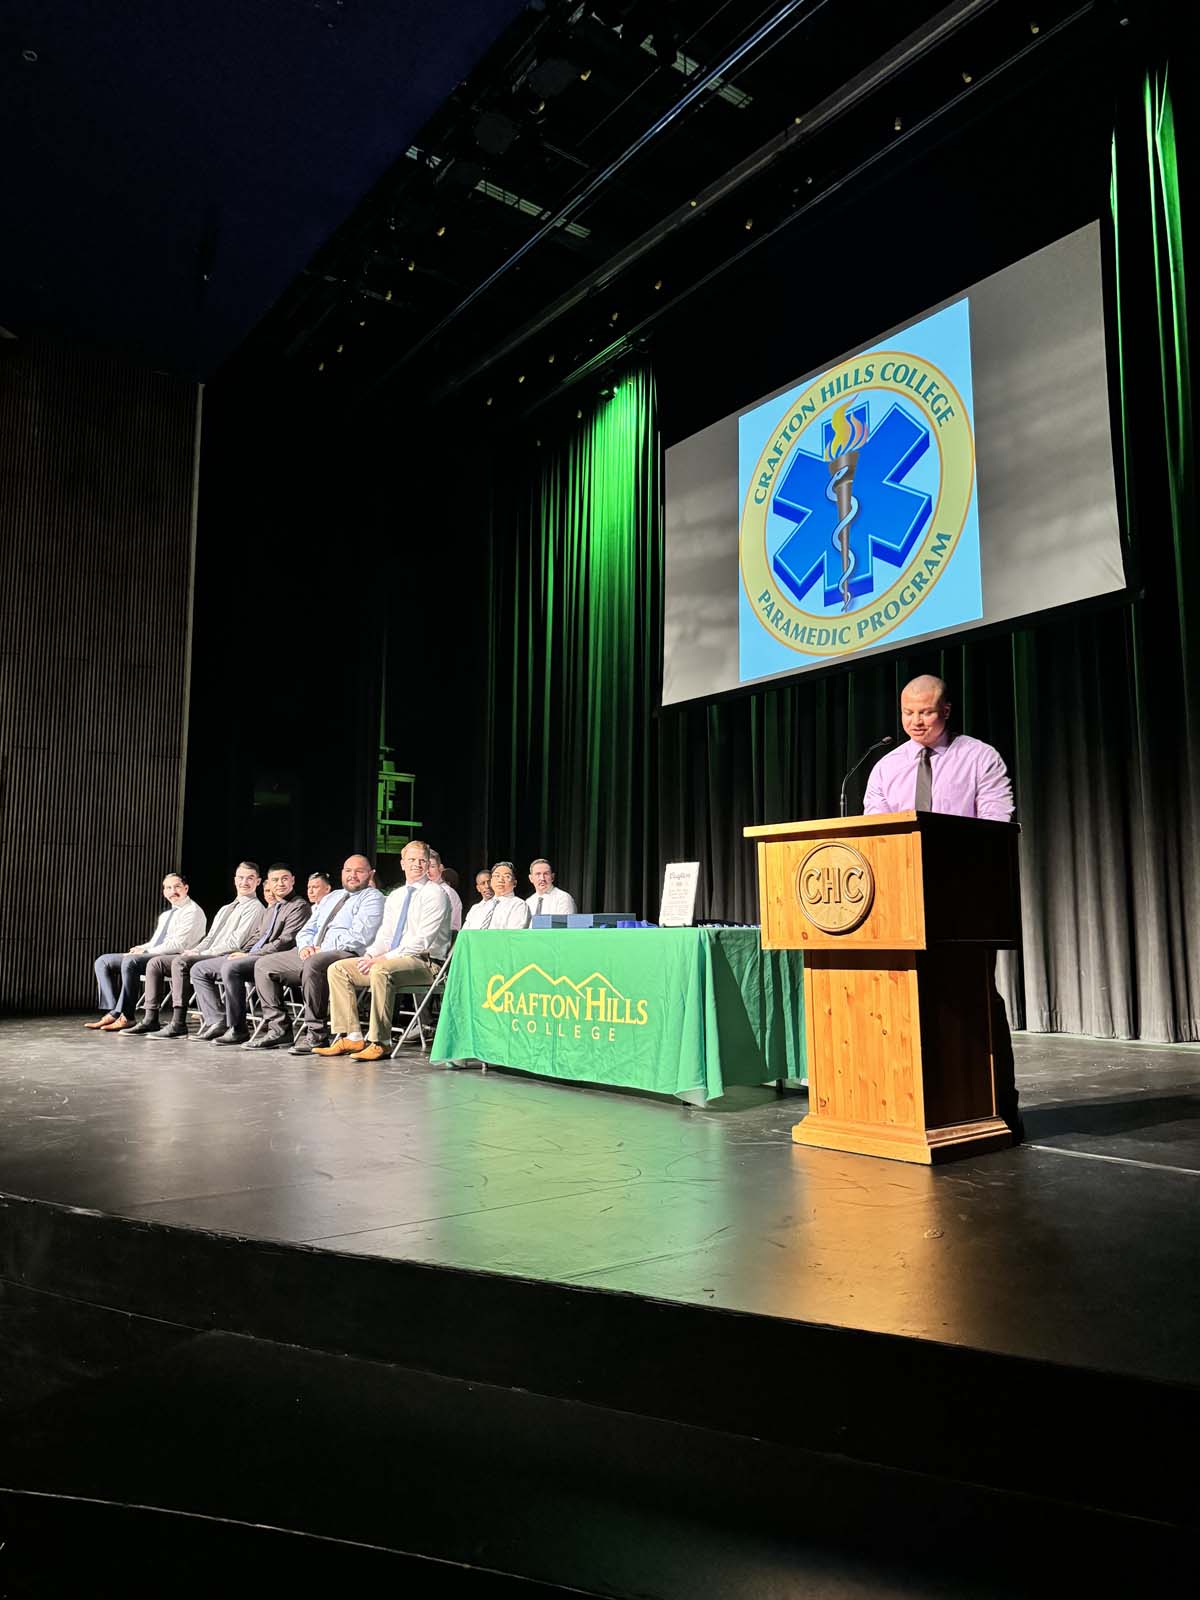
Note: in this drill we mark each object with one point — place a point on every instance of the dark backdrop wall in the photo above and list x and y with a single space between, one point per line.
97 471
292 593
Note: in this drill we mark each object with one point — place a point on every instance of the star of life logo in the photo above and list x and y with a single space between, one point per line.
855 507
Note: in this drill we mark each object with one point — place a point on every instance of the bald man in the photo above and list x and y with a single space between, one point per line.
342 924
938 770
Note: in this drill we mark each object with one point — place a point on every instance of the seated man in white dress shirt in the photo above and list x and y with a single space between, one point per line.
546 900
437 875
229 928
412 942
505 909
117 974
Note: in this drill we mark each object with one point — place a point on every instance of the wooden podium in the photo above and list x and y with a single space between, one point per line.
899 917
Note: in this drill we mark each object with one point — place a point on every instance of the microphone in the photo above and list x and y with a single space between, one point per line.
878 745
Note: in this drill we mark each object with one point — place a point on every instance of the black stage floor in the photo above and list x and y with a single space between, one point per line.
503 1173
715 1363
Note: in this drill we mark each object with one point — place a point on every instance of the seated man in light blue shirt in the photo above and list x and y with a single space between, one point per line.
342 924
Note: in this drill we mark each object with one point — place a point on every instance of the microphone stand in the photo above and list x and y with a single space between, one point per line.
879 744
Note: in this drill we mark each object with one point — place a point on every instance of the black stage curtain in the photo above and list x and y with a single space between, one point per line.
287 639
97 474
1096 714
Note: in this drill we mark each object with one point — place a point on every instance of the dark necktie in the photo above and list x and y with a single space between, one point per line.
923 800
258 943
328 923
537 910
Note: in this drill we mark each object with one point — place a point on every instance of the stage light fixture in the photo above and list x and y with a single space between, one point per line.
897 125
658 283
412 266
550 358
583 78
488 401
320 366
748 224
614 316
362 322
1034 28
441 231
968 77
339 350
693 204
388 295
521 377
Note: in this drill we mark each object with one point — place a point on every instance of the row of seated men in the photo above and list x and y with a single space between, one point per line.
329 945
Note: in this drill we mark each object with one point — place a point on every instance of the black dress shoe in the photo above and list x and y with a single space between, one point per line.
214 1030
231 1036
175 1030
275 1040
146 1025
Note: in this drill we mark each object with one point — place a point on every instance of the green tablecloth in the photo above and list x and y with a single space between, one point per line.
680 1011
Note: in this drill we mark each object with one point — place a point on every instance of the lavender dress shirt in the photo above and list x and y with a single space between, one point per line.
969 779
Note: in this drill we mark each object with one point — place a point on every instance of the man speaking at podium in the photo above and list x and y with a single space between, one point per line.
938 770
941 771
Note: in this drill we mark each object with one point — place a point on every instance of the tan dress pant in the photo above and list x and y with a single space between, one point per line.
386 979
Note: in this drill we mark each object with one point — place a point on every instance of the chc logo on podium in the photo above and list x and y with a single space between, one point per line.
835 887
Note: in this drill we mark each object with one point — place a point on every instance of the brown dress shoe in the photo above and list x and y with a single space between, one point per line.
115 1027
340 1047
373 1052
100 1022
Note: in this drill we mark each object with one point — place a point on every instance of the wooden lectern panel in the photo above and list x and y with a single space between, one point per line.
864 1020
936 879
899 917
896 916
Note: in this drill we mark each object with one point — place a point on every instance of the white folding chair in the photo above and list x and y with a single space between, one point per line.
416 1018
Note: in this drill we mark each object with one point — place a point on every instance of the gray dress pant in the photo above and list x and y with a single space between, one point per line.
272 972
235 972
159 969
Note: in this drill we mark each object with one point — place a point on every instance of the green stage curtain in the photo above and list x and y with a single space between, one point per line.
1096 714
576 561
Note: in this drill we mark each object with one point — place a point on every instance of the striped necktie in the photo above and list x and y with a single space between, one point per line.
489 914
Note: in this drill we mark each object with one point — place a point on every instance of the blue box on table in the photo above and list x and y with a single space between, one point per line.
584 919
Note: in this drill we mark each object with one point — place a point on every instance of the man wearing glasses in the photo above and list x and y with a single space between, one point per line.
504 909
